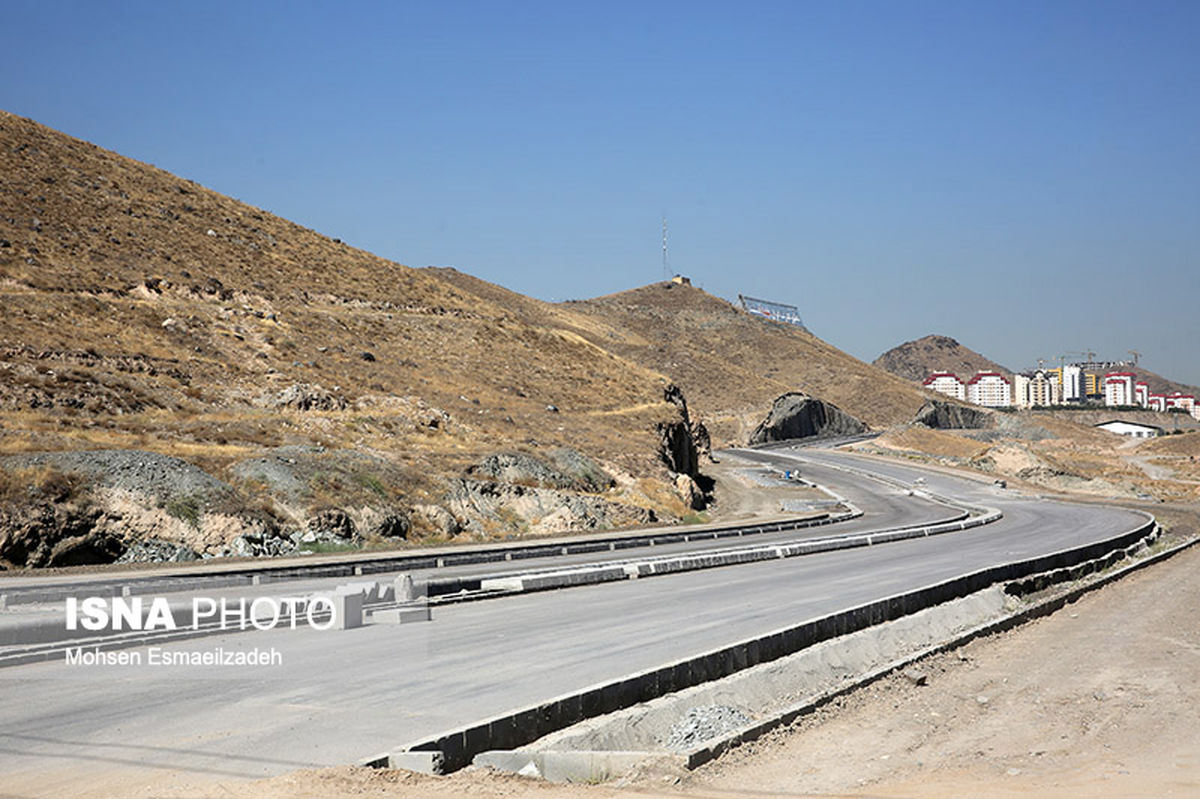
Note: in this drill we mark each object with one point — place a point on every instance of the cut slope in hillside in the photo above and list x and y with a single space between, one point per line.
916 360
145 312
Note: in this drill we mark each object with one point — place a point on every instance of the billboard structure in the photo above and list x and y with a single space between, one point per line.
774 311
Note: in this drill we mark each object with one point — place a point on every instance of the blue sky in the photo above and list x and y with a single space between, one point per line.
1023 176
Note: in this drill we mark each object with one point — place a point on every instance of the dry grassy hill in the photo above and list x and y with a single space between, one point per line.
145 312
732 364
915 360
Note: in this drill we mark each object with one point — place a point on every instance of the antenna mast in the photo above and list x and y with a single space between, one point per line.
666 269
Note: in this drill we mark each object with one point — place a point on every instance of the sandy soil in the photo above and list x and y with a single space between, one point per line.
1101 699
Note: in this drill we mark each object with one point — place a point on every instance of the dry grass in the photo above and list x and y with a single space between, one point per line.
144 311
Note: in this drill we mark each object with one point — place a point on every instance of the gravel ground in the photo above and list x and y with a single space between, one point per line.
701 724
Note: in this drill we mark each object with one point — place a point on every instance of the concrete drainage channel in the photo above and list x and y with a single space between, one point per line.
509 737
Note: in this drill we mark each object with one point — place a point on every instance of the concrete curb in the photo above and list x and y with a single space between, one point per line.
522 726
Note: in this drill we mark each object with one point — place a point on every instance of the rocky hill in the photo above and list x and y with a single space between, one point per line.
915 360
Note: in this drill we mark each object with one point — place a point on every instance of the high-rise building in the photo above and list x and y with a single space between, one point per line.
1141 394
1118 388
1072 383
1043 389
1020 391
946 383
990 389
1184 402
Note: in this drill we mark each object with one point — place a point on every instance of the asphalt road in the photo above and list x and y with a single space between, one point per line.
341 696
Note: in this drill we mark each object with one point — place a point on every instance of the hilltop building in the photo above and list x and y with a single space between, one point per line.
1020 391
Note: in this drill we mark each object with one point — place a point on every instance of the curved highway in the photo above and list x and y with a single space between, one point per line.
338 697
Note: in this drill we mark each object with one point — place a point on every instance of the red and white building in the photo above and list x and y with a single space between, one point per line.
946 383
1185 402
1118 388
989 389
1156 402
1141 394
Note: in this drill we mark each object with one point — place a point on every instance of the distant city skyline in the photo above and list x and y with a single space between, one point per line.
1007 174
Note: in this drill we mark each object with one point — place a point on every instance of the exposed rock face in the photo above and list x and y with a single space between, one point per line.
49 534
684 442
568 469
677 448
797 415
948 416
160 476
691 493
332 523
438 519
537 510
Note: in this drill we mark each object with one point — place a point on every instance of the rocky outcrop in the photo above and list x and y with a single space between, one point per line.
568 470
948 416
498 506
437 519
797 415
682 445
306 397
677 448
50 534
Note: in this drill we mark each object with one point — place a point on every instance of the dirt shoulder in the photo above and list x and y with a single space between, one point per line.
1098 699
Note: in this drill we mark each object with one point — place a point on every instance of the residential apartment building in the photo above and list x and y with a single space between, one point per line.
1118 388
990 389
946 383
1071 382
1184 402
1141 394
1020 391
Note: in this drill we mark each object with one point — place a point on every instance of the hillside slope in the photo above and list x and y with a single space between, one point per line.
915 360
145 312
731 365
